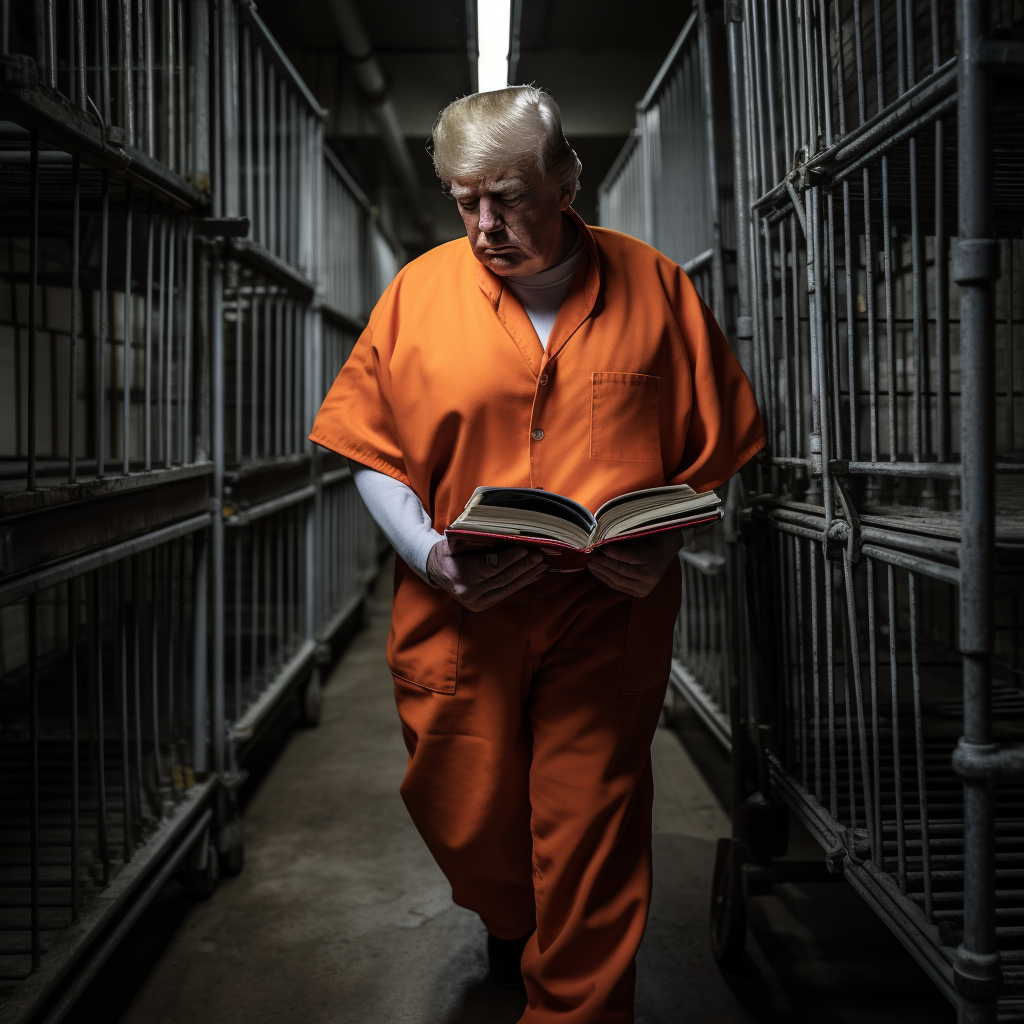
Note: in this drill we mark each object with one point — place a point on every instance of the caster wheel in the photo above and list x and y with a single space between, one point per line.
311 701
728 909
230 847
203 868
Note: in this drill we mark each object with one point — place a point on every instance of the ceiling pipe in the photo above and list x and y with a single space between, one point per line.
373 88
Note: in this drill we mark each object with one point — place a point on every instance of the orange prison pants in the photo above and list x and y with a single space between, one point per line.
531 783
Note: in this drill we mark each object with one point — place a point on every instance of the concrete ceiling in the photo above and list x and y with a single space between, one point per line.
596 57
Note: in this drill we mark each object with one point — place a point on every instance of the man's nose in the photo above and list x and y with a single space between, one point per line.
490 216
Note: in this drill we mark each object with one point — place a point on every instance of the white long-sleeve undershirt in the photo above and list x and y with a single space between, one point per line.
394 505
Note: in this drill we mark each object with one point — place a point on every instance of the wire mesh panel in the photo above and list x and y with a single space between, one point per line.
863 689
861 547
98 702
344 267
183 269
87 262
265 368
702 652
348 547
672 183
272 129
266 613
131 66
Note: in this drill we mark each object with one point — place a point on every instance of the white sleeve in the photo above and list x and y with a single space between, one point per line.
398 512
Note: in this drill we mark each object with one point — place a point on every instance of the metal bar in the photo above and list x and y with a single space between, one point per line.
99 754
73 318
977 965
852 669
167 304
128 111
217 533
122 673
922 778
200 729
266 41
49 576
33 279
33 741
126 361
812 566
147 440
101 342
187 452
104 69
73 687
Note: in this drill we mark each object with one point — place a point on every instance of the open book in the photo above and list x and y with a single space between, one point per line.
524 515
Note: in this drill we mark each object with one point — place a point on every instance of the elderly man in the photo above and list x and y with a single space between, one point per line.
536 352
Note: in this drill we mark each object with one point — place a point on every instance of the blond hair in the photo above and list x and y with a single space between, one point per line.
514 129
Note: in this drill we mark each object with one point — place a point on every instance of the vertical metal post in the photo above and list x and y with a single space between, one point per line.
126 362
73 326
229 106
977 971
101 341
33 740
744 320
217 530
200 723
717 263
126 47
104 28
200 95
73 686
33 279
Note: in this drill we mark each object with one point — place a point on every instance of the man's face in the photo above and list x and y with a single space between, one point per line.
515 229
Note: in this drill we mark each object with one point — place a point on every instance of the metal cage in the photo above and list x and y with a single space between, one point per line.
184 268
853 633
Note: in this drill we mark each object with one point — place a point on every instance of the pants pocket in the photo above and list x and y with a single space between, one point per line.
624 417
423 644
650 631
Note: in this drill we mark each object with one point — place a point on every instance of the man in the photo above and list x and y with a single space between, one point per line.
536 352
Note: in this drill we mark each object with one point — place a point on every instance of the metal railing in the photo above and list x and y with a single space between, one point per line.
184 267
871 680
681 127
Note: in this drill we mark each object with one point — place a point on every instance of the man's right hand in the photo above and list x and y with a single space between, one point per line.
477 585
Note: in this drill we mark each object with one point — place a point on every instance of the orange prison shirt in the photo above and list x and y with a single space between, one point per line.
448 388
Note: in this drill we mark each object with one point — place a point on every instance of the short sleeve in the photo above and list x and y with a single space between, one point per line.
356 418
725 429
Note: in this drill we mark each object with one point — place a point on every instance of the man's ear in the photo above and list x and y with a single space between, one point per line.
565 200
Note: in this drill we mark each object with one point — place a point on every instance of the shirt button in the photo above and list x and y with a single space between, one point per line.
543 379
538 434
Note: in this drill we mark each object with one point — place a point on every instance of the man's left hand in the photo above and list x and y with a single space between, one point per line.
635 566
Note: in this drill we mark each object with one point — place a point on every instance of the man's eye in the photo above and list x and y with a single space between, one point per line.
468 204
513 200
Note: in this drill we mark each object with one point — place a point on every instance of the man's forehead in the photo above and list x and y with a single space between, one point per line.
505 181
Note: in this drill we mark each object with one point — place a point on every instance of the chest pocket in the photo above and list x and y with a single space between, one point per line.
624 417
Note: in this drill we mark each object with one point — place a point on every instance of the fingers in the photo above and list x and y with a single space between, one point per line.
477 568
492 597
624 584
502 577
627 551
633 570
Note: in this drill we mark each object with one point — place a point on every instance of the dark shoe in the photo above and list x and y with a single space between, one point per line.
504 956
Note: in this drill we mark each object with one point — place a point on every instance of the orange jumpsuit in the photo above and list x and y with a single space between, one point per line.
529 725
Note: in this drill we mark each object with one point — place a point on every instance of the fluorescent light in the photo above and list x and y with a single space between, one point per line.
493 21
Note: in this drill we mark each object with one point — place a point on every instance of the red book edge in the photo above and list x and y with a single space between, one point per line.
460 541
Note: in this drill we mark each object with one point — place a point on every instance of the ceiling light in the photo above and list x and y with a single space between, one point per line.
493 18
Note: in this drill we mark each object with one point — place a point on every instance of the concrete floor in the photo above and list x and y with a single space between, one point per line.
342 916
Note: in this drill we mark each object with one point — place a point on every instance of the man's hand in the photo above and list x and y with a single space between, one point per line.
476 584
635 566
